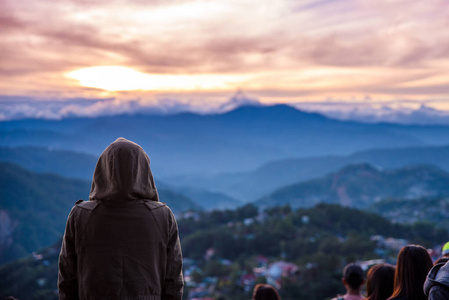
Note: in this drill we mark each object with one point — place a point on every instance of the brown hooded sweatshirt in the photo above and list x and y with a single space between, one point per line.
123 243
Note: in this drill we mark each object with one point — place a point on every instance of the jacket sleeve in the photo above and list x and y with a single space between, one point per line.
438 292
174 282
67 276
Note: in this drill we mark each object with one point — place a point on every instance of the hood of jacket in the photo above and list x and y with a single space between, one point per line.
123 173
438 275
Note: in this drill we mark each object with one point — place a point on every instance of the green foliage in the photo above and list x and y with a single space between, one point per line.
409 211
331 229
32 278
211 219
319 240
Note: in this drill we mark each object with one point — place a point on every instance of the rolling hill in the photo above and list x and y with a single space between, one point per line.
81 165
227 190
43 159
34 208
251 185
362 185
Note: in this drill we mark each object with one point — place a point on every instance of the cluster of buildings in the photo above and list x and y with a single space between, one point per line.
263 271
272 272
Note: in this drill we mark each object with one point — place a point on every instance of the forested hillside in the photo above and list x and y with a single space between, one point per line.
362 185
251 185
409 211
34 208
227 252
44 159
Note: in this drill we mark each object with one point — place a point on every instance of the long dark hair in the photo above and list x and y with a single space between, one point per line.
413 264
265 292
380 282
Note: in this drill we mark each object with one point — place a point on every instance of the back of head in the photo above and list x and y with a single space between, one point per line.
380 282
123 173
413 264
353 274
265 292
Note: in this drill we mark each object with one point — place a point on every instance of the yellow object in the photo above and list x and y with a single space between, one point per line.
445 250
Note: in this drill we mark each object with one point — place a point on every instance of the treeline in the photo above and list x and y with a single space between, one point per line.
327 228
319 240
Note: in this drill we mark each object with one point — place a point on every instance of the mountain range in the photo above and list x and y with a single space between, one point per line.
230 189
81 165
250 185
238 140
272 154
34 206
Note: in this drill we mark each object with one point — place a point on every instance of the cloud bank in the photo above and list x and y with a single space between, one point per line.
287 51
16 108
363 110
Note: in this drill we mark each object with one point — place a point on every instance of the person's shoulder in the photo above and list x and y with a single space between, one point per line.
153 205
82 208
89 205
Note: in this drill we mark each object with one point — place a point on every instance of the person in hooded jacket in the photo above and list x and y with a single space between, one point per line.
122 243
436 286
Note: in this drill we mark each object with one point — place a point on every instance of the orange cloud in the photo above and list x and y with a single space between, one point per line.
298 51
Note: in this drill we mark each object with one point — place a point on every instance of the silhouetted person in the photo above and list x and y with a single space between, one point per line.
353 280
265 292
413 264
123 243
380 282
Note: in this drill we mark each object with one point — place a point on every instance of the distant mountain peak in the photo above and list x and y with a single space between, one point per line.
239 99
273 112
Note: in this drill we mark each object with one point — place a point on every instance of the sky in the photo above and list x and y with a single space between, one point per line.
91 57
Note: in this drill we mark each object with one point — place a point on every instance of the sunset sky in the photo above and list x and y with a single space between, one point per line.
139 53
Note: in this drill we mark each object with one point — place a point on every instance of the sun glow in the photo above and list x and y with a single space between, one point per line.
117 78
